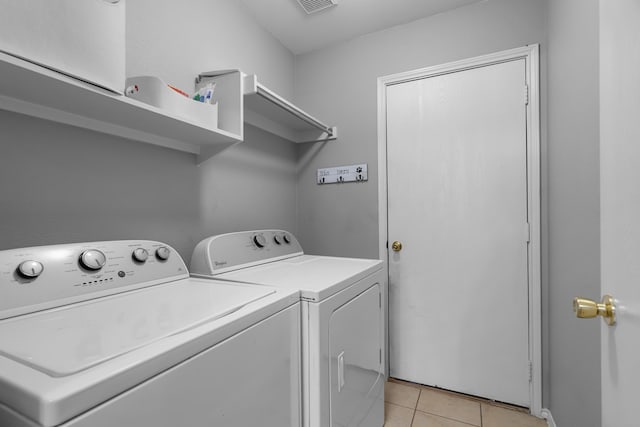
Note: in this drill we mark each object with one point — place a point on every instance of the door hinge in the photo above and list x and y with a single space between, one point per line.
530 371
526 94
527 232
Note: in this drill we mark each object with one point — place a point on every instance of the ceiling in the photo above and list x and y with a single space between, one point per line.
302 33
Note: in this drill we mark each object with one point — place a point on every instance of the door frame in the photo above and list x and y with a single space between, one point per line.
530 54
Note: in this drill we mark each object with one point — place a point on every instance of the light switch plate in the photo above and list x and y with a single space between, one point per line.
341 174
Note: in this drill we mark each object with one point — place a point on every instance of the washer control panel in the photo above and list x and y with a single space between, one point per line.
225 252
42 277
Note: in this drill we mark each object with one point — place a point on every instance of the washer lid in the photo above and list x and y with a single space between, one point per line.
70 339
316 277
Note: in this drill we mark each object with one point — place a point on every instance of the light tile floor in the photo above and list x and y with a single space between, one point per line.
413 405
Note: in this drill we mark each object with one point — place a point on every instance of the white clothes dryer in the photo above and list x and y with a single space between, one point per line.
342 318
110 334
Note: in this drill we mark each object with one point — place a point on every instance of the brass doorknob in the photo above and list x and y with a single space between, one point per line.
586 309
396 246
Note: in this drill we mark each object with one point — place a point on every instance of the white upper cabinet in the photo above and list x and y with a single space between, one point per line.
84 39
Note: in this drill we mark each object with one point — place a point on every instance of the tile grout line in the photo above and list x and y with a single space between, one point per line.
444 417
481 402
451 419
415 409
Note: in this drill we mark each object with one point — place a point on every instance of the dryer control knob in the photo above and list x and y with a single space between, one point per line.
286 238
93 259
30 269
277 239
140 255
162 253
259 240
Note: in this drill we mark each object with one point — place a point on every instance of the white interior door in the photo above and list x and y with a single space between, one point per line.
457 201
620 207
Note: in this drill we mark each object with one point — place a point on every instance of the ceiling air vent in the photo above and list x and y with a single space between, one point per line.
311 6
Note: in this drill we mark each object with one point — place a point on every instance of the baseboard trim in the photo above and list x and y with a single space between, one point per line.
546 414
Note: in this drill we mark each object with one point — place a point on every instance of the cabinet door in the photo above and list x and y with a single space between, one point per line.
355 343
84 39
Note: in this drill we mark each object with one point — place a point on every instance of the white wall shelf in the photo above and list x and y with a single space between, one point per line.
267 110
31 89
36 91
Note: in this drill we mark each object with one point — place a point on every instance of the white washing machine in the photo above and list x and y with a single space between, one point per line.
108 334
342 318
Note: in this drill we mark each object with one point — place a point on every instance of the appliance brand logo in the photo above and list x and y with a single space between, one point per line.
220 263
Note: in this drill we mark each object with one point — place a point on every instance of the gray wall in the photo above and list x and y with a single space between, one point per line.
61 184
574 209
339 84
176 40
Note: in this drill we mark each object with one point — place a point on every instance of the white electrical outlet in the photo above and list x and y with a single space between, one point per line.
341 174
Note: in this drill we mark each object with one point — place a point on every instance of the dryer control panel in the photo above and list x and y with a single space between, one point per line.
231 251
42 277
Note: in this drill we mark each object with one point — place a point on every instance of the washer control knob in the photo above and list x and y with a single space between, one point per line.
277 239
140 255
286 238
259 240
93 259
30 269
162 253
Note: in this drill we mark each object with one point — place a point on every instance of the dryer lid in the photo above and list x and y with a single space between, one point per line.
70 339
316 277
